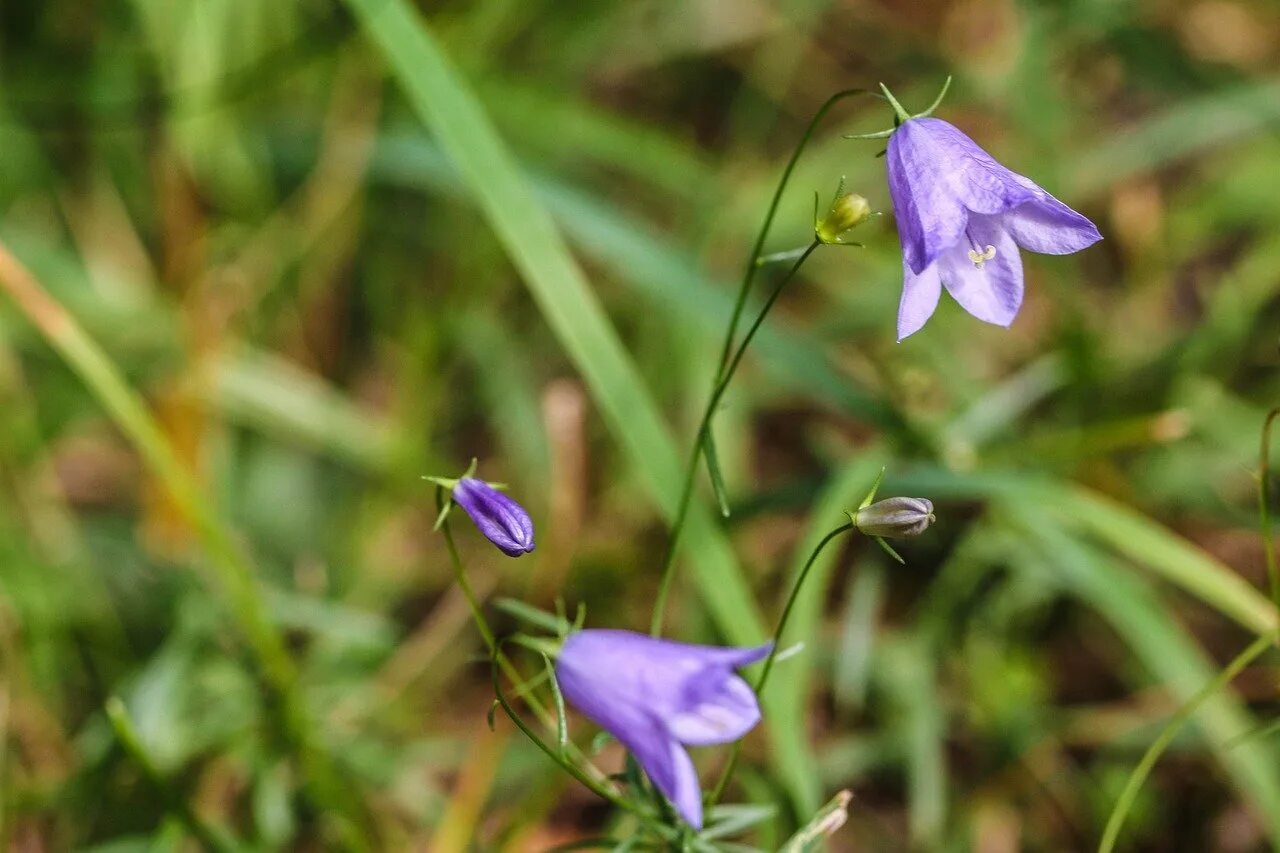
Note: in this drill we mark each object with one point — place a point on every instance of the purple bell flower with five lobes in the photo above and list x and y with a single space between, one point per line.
502 521
658 696
962 218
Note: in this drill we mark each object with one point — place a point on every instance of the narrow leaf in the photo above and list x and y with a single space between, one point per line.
562 721
713 468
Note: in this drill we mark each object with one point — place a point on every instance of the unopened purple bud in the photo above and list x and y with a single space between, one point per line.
894 517
502 521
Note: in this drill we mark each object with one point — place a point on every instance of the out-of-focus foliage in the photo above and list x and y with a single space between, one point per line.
240 203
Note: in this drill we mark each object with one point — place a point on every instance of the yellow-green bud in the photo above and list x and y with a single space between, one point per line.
846 212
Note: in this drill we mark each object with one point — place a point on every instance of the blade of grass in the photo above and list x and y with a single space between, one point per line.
556 282
631 250
909 674
717 476
1128 531
1165 649
233 571
572 309
1167 734
212 837
1213 119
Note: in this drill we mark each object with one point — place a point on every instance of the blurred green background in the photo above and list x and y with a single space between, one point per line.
331 248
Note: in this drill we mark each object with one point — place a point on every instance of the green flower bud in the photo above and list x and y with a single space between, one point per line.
846 212
894 517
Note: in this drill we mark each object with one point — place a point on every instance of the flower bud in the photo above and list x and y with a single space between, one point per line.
894 517
845 212
502 521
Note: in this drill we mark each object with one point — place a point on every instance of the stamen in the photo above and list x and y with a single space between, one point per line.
979 259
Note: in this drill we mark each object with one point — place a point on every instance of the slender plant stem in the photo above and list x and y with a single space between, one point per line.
482 623
460 575
1139 775
596 785
718 790
233 571
704 429
1264 507
740 302
791 601
554 754
779 257
210 837
477 615
1169 732
545 716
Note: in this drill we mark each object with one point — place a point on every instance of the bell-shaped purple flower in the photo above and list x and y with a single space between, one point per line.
961 218
502 521
657 696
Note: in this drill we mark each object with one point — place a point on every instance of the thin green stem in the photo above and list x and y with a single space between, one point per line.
740 302
1139 775
723 782
779 257
791 601
1169 732
1264 507
569 767
704 428
460 575
755 327
748 275
210 837
596 786
544 715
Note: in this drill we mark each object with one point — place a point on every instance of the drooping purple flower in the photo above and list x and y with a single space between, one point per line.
961 218
658 696
502 521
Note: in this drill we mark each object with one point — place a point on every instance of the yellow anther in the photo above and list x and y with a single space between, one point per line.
979 259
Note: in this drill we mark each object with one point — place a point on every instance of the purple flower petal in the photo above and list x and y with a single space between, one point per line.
990 288
952 201
920 294
655 695
929 218
669 766
937 177
502 521
1049 227
724 711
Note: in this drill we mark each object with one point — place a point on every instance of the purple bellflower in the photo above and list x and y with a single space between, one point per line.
502 521
961 219
658 696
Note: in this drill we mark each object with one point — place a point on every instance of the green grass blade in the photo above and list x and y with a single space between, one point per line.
557 283
1145 542
1141 620
630 249
571 308
717 476
1170 730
